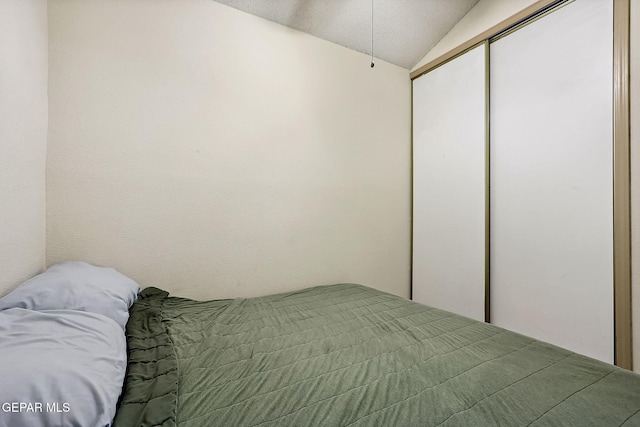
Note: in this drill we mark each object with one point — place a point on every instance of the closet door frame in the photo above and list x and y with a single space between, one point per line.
621 159
623 351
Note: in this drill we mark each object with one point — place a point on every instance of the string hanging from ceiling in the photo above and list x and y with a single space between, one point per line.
372 64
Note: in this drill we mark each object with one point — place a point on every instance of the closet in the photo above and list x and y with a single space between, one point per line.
514 180
449 185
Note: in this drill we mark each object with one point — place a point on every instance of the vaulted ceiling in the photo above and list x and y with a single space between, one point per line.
403 30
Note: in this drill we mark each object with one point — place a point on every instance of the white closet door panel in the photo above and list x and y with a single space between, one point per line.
551 179
449 186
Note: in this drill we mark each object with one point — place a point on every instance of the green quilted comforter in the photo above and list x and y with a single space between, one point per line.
348 355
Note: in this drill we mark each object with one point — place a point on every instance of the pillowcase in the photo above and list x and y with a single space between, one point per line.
59 368
77 286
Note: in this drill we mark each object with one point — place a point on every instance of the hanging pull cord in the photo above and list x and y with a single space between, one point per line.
372 64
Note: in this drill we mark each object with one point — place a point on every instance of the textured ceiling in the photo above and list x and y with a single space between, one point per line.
404 30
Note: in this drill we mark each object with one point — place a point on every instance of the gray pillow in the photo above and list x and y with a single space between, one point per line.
59 368
77 286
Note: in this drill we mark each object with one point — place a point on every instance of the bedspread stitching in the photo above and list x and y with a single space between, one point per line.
363 385
566 398
314 303
504 388
342 349
407 398
629 417
298 320
301 331
279 315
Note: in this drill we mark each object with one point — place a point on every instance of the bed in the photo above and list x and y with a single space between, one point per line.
348 355
337 355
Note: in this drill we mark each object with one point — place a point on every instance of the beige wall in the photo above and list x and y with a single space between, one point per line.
635 177
23 139
215 154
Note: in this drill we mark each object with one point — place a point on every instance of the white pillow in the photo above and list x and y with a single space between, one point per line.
77 286
59 368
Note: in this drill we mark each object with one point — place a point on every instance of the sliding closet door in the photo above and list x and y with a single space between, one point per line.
551 179
449 185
